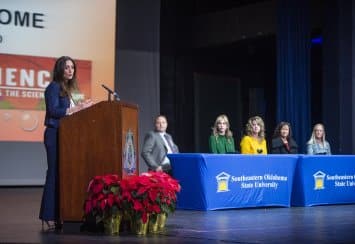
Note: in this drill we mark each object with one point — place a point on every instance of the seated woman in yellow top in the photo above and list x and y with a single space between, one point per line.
254 141
221 140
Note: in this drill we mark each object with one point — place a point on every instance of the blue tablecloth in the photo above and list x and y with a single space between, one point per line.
324 180
216 181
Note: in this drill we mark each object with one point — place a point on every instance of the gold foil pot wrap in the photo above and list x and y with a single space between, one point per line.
162 217
140 228
112 224
157 224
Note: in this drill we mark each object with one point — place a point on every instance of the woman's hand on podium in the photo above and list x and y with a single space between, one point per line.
87 103
81 105
72 110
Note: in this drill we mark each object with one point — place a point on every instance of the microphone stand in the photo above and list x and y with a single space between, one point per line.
110 92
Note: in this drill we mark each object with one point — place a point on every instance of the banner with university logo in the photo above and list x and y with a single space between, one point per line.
211 181
324 180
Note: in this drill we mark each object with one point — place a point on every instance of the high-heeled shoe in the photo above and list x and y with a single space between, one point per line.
48 224
58 225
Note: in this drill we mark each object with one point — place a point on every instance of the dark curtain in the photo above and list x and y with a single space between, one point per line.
293 68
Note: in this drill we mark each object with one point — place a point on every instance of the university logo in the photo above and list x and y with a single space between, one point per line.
129 154
222 182
319 180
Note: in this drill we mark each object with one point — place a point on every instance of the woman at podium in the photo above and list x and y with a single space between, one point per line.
59 103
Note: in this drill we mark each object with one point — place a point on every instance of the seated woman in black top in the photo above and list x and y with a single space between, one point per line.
282 142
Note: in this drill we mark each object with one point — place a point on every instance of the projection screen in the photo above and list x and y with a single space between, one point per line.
33 34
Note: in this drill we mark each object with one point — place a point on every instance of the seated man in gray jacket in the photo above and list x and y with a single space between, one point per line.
157 144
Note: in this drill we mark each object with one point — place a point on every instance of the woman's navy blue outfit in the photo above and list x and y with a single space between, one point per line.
56 107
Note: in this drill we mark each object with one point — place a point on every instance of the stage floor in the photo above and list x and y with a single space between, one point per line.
19 209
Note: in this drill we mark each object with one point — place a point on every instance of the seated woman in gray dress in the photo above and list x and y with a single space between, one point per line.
282 142
317 145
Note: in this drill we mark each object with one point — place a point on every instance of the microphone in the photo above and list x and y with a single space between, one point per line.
115 94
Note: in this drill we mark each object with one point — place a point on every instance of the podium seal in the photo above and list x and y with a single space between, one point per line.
129 154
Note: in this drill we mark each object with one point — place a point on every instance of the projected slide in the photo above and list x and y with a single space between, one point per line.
23 80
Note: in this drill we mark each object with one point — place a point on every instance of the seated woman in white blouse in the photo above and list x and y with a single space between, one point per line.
317 145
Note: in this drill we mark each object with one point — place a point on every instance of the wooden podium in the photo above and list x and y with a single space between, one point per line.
102 139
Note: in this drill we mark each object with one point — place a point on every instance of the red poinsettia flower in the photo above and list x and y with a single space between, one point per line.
88 207
148 194
153 194
144 217
138 206
110 179
103 196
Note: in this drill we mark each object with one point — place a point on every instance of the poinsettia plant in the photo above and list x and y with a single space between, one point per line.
149 194
104 197
166 188
138 196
